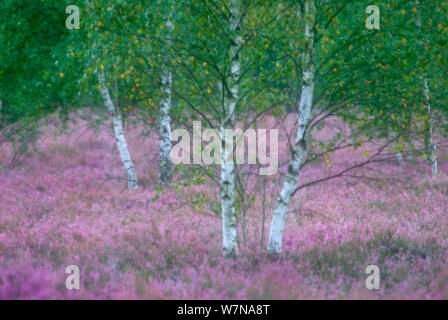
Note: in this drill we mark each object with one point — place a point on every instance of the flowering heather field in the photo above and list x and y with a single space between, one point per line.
68 204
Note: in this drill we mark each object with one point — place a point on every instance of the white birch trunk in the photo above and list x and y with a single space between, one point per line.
165 164
399 158
229 230
431 148
300 147
119 134
396 149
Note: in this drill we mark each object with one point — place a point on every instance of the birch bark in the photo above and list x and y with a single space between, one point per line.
229 230
119 133
300 149
431 148
165 164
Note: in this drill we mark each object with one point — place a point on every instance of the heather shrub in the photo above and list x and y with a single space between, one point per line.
69 205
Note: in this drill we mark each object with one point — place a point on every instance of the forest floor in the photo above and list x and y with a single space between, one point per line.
68 205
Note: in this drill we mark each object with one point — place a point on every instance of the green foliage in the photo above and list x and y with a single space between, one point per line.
369 78
35 76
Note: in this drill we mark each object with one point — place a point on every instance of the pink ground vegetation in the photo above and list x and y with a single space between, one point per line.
69 205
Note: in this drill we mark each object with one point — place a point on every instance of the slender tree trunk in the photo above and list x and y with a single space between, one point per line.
393 135
430 147
165 164
229 230
398 153
399 158
263 213
300 149
119 134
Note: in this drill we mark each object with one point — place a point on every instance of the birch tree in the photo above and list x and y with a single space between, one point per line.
166 166
219 62
117 120
300 147
349 72
428 126
430 146
135 38
228 166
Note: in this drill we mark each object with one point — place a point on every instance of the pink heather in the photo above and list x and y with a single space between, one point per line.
69 205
